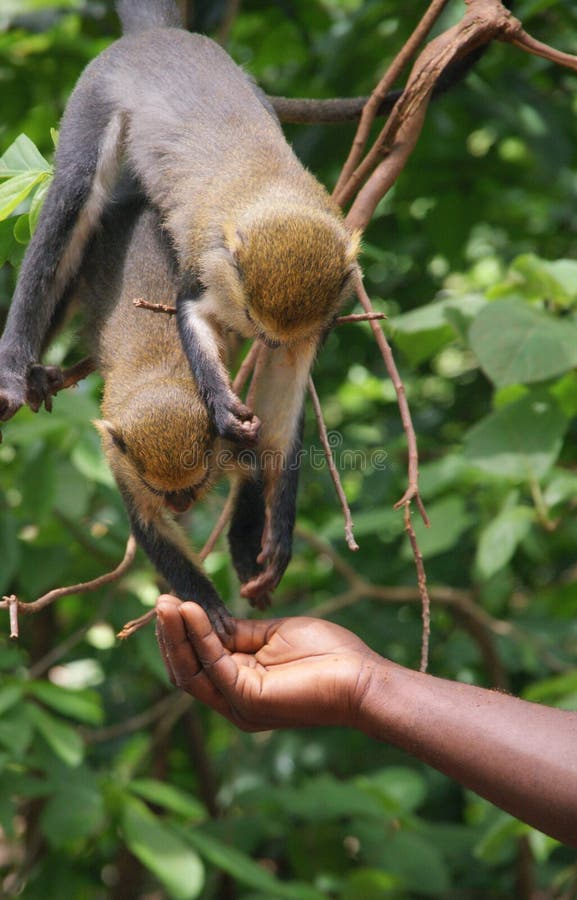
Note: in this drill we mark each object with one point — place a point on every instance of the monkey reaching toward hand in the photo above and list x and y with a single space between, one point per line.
157 436
261 249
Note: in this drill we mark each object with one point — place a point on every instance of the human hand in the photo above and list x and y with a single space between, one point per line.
268 674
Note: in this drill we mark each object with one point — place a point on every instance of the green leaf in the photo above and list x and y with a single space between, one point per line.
22 156
325 798
517 344
38 201
449 519
242 868
520 441
500 539
403 789
171 798
152 842
64 742
554 691
84 706
14 191
371 884
10 694
74 812
16 730
543 280
409 856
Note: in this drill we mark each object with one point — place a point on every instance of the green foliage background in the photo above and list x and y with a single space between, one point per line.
111 784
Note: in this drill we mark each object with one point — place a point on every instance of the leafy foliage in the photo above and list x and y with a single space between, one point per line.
108 778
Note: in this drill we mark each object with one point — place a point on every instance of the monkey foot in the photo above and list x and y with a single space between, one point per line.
43 383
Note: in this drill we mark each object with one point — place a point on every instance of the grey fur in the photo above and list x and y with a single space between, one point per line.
139 15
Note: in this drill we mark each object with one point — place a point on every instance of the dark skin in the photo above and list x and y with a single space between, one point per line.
286 673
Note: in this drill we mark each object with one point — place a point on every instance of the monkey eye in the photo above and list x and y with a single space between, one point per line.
248 316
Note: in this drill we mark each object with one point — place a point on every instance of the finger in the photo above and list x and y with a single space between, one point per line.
214 657
176 649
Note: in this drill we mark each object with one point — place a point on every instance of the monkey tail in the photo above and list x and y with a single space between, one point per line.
140 15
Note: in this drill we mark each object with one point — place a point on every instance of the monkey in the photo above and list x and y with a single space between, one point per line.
155 429
261 248
156 432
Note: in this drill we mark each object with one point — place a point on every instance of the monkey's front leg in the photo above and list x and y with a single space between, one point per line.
165 545
233 420
86 164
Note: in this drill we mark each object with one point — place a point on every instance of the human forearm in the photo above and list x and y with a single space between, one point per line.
521 756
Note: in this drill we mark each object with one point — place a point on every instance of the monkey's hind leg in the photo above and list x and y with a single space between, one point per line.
87 164
245 534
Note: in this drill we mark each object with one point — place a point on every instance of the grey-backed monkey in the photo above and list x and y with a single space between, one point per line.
156 432
261 249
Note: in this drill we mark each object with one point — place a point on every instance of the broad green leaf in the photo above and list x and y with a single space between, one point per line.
403 789
22 156
520 441
371 884
555 691
175 864
555 281
10 694
417 862
503 834
84 706
242 867
37 202
500 539
14 191
171 798
449 519
16 730
326 798
61 738
73 812
517 344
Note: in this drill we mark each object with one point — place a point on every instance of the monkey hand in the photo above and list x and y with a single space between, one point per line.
235 422
43 383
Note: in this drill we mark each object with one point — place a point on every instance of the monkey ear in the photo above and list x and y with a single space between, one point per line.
106 427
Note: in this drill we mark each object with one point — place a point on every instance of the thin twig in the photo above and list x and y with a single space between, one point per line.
529 44
334 472
360 317
140 303
387 354
12 603
385 84
422 585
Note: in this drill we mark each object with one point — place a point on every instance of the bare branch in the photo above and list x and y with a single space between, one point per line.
20 606
154 307
422 585
351 543
360 317
385 84
387 354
